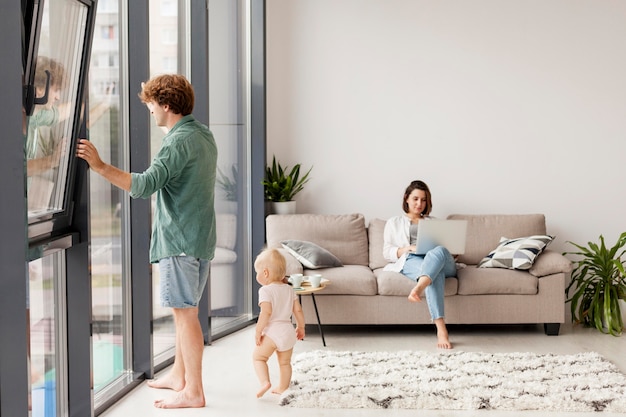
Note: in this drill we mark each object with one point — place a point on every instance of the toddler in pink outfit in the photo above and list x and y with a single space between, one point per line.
274 329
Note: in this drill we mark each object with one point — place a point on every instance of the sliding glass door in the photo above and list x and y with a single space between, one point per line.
109 206
167 55
229 109
228 119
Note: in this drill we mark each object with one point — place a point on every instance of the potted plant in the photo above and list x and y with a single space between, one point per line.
227 202
598 283
281 185
228 184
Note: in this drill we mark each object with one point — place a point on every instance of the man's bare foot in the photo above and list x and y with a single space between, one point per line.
181 400
264 389
167 382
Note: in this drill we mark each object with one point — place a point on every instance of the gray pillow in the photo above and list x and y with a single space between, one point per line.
311 255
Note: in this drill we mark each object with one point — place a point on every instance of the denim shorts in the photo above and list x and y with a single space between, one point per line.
183 279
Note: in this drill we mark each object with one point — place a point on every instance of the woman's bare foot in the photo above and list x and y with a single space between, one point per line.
415 296
417 293
181 400
264 389
167 382
443 340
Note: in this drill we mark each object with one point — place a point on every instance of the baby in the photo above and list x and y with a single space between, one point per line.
274 329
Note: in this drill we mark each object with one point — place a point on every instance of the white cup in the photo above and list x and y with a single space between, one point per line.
315 280
296 280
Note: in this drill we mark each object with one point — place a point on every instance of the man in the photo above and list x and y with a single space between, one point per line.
183 233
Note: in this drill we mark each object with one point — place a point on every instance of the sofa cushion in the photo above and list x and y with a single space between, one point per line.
484 231
311 255
394 283
226 230
343 235
375 234
518 253
476 281
226 239
349 279
550 262
224 256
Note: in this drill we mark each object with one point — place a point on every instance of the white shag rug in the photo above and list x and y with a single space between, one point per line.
456 381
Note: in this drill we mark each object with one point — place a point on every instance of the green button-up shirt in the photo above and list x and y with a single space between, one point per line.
183 176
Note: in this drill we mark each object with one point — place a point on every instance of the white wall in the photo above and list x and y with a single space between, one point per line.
500 106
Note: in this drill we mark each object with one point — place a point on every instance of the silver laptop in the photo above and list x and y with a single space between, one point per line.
448 233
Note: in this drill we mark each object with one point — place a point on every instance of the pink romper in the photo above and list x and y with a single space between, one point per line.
279 329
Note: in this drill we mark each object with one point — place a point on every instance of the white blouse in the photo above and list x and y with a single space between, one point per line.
396 235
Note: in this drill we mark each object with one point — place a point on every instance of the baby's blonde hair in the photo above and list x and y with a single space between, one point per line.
275 263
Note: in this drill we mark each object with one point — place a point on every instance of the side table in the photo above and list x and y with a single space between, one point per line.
306 289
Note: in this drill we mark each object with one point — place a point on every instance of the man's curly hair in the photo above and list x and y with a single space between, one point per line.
172 90
56 70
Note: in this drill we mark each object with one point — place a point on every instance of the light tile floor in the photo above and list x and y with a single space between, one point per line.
230 382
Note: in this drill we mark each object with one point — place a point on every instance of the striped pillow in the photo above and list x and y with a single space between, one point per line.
519 253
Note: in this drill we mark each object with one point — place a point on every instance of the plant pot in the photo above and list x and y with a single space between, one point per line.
222 206
283 207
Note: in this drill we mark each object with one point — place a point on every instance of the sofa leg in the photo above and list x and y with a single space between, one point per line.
552 329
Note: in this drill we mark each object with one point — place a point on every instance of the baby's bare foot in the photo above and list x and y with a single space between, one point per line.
264 389
278 390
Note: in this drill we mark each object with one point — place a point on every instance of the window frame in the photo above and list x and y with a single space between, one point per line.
47 225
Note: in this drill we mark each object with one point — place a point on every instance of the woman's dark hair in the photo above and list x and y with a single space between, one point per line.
417 185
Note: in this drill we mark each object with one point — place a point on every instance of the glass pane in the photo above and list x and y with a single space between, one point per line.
110 336
46 289
230 272
164 55
48 130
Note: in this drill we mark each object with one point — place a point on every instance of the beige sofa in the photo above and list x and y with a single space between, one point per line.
223 285
361 293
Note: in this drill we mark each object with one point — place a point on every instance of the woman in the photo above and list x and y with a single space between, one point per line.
429 271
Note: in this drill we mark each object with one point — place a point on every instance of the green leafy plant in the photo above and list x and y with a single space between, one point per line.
598 283
281 184
228 184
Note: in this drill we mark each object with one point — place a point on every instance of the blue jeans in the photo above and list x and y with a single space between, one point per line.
437 264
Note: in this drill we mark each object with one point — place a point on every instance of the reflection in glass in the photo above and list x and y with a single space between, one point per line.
46 336
44 145
48 130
